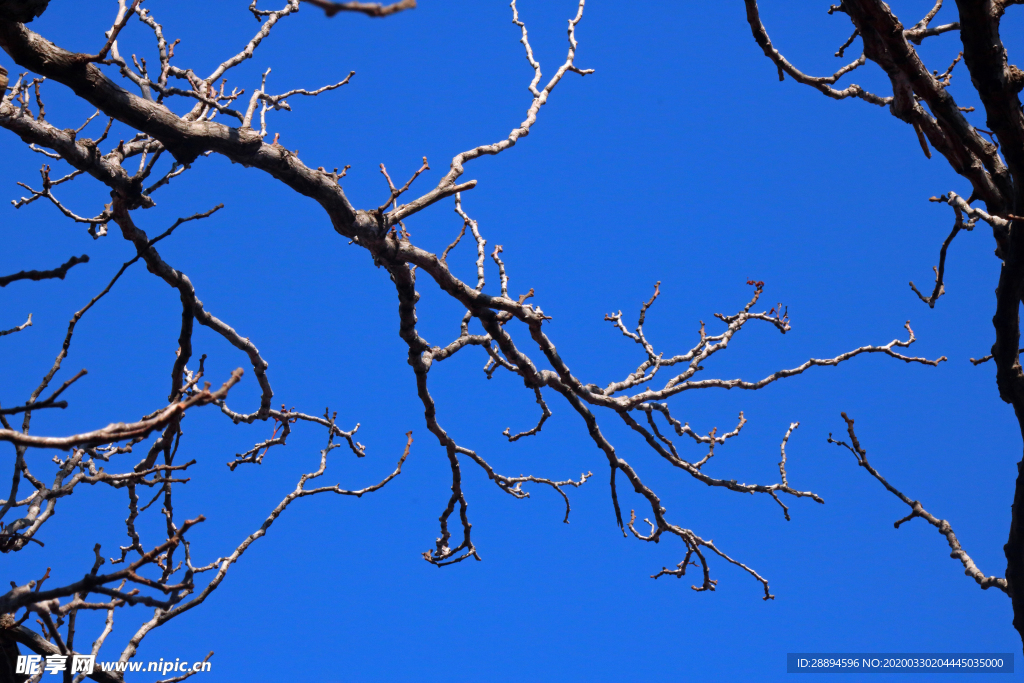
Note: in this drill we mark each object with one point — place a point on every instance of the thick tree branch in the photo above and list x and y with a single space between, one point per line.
370 9
37 275
120 431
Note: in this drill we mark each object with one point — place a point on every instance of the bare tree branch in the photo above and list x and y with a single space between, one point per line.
19 328
370 9
121 431
917 510
508 328
37 275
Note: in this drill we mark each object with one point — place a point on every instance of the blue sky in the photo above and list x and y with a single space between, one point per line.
682 159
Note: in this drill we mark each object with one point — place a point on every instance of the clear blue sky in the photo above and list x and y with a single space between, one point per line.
682 159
